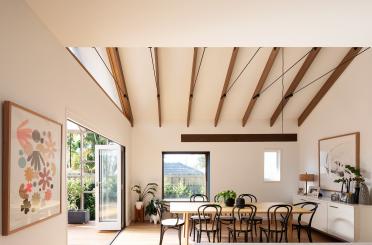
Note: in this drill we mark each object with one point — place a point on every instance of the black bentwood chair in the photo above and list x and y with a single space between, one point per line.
194 218
208 226
277 223
250 198
300 224
241 225
166 224
223 219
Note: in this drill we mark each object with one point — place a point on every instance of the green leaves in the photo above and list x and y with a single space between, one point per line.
149 190
226 195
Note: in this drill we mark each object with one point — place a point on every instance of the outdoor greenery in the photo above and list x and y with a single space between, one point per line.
149 190
74 190
178 191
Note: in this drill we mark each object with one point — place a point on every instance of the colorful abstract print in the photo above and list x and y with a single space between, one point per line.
37 158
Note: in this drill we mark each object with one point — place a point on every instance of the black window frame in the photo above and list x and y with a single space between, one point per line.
207 171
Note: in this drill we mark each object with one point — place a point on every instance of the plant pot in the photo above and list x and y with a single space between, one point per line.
229 202
154 218
78 216
356 195
139 205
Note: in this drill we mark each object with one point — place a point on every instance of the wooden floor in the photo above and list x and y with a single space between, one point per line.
148 234
88 235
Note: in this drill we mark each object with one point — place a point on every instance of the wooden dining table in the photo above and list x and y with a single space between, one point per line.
189 208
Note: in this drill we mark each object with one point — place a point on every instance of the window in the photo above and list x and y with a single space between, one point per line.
184 174
272 165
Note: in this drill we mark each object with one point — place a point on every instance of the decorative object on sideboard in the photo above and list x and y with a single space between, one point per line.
351 175
334 154
32 158
228 197
364 197
335 197
149 190
307 177
300 191
314 191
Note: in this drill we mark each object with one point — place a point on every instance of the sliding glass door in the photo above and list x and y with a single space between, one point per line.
108 187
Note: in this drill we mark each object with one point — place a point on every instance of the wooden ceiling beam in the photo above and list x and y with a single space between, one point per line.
328 84
260 84
117 72
157 83
226 84
192 86
296 81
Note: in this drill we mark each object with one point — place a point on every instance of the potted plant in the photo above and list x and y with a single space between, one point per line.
152 210
149 190
228 197
349 175
75 215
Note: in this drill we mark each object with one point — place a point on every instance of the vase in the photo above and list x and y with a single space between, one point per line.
154 218
229 202
356 195
364 194
139 205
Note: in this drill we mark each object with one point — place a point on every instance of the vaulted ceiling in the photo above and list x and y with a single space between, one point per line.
175 68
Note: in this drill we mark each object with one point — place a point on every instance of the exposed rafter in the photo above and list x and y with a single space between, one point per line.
117 72
296 81
328 84
192 85
260 84
157 83
226 84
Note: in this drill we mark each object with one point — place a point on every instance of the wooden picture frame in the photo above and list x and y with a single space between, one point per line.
31 168
342 149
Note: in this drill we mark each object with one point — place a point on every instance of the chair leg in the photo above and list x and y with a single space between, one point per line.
192 226
261 240
161 235
309 234
214 236
179 235
209 237
298 233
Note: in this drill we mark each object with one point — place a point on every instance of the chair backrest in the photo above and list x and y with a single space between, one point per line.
312 206
161 208
249 198
199 198
216 198
277 217
209 214
248 212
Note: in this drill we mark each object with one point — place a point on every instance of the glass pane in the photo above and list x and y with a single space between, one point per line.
184 175
271 166
73 155
89 199
108 185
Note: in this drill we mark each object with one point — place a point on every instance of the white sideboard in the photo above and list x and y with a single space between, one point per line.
350 222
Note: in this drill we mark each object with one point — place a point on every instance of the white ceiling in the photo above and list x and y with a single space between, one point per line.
175 73
192 23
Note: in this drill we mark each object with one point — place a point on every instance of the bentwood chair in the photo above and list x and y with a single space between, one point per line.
223 219
194 218
250 198
208 225
277 223
166 224
300 224
241 225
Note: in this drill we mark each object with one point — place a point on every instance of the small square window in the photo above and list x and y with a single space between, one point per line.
272 165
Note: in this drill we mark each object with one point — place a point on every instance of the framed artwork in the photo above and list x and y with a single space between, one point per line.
314 191
32 156
334 153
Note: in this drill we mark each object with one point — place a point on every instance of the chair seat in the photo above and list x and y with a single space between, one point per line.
240 228
208 227
196 217
272 228
172 222
227 218
255 218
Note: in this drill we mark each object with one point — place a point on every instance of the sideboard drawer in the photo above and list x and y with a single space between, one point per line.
341 221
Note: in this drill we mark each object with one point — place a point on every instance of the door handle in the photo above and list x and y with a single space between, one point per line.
333 206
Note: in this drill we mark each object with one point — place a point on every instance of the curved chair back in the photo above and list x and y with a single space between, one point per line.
216 198
277 218
312 206
248 212
209 215
161 208
250 198
199 198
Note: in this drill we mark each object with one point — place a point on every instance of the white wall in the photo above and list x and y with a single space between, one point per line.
346 108
237 166
38 73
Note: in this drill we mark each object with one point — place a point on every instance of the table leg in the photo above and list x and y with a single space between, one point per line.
290 231
186 231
